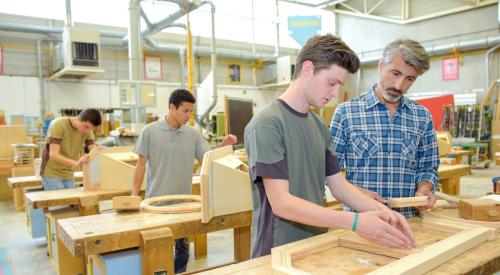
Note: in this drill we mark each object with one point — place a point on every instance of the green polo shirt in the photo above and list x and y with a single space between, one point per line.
171 154
71 141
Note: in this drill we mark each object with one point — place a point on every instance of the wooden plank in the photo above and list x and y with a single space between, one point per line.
354 241
9 135
72 196
436 254
156 251
408 201
29 181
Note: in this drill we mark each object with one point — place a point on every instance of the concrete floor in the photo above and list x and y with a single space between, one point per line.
29 256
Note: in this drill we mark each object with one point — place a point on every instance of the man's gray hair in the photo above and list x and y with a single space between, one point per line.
412 52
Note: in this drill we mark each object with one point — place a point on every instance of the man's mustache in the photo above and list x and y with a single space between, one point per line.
394 90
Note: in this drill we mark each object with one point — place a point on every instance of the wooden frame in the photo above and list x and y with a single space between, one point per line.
224 184
410 262
194 204
110 168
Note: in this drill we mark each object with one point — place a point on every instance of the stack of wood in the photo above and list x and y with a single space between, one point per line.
24 154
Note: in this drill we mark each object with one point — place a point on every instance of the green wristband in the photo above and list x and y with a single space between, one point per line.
355 222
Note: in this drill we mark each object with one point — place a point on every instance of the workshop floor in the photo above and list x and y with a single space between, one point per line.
19 254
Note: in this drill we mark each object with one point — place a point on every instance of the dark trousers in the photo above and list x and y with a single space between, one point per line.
181 255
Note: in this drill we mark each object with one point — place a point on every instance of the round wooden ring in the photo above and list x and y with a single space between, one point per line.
147 205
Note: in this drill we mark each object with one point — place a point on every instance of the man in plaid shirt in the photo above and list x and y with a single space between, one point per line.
386 142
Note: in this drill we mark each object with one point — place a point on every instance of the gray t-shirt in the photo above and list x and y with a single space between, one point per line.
282 143
170 153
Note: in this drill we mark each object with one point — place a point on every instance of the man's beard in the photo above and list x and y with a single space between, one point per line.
388 97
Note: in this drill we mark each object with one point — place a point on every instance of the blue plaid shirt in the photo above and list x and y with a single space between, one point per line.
388 156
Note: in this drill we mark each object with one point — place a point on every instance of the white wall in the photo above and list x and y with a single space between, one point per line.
20 95
370 37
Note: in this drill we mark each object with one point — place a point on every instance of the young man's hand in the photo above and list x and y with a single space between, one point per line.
229 140
374 226
83 160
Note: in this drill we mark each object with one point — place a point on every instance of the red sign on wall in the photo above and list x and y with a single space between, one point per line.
450 68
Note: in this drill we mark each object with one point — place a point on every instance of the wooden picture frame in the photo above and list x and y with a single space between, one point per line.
416 261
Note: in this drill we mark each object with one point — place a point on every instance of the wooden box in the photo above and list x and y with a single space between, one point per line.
480 209
225 184
110 169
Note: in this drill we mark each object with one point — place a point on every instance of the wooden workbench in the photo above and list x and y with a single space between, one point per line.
459 154
83 236
19 183
5 172
483 259
449 177
86 201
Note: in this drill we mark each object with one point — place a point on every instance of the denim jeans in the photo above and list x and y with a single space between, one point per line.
181 255
55 184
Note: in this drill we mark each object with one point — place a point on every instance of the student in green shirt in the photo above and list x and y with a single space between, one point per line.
291 158
64 145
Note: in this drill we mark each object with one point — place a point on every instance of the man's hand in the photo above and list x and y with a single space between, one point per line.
229 140
377 226
83 160
425 189
371 194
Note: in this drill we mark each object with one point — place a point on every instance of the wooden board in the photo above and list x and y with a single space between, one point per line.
72 196
225 184
29 181
122 203
9 135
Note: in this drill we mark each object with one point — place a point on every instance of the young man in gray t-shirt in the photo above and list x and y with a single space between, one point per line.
168 148
290 159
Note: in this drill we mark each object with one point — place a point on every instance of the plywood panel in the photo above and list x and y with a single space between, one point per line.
225 184
10 135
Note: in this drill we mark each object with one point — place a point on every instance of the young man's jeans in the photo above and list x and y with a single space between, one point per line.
181 255
55 184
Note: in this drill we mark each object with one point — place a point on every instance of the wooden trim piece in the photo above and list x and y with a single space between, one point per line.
407 202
